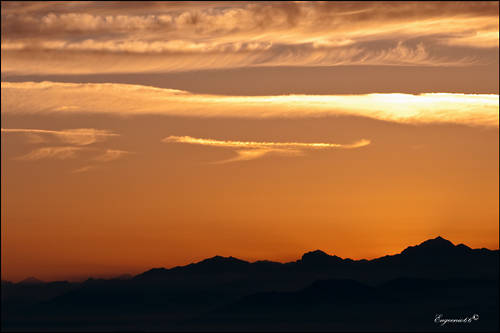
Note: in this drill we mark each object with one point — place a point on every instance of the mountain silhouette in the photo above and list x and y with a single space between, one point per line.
433 256
227 293
31 280
403 304
436 246
212 266
320 258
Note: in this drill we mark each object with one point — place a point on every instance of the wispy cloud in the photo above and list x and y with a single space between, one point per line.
248 150
157 57
111 155
251 154
89 39
78 136
253 144
123 99
60 153
85 168
107 156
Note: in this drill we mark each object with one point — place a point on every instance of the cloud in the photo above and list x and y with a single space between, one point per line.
78 136
60 153
124 99
71 39
33 138
249 150
253 144
69 152
84 169
111 155
150 58
486 39
107 156
251 154
228 21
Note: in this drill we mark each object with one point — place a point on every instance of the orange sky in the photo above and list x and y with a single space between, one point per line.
158 134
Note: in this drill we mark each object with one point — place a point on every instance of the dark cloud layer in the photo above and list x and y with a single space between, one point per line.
99 37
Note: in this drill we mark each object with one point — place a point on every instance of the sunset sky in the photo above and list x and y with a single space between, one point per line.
140 135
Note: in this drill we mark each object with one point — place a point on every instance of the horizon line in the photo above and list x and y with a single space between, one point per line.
108 276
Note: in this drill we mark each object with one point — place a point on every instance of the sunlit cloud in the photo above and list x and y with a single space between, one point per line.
71 152
111 155
107 156
124 99
68 39
99 57
78 136
249 150
50 61
60 153
252 144
251 154
84 169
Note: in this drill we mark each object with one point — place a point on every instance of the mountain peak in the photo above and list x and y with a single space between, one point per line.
437 242
319 258
31 280
221 259
314 254
434 245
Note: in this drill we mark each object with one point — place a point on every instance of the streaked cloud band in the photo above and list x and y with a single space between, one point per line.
85 39
249 150
60 153
78 136
124 99
253 144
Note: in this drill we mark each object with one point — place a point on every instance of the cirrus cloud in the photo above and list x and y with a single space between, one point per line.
111 155
124 99
85 39
60 153
249 150
77 136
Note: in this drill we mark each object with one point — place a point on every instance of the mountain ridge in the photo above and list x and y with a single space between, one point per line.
220 291
433 247
429 250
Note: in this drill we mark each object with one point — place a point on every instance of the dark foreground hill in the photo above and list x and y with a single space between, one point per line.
319 292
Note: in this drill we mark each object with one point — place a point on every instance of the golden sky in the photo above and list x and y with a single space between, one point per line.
154 134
